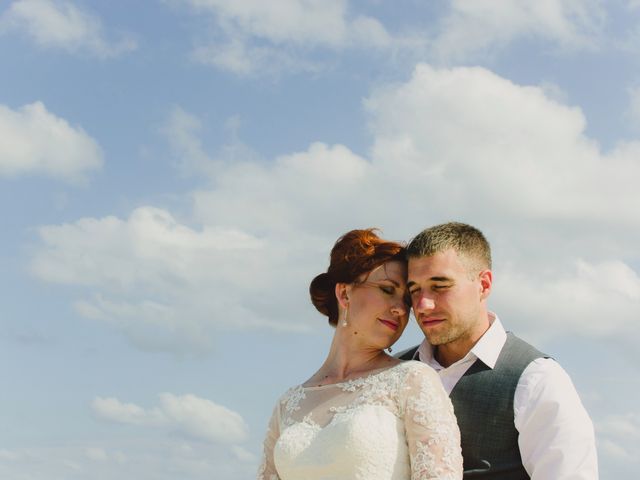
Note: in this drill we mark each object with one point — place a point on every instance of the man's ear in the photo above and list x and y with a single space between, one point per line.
486 280
342 294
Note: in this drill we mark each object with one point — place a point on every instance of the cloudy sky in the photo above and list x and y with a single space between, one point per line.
174 172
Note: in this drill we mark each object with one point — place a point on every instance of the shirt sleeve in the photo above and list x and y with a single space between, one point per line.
267 470
432 433
556 434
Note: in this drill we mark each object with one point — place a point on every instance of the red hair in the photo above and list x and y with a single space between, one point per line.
355 253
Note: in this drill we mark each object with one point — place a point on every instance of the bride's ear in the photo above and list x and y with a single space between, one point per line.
342 294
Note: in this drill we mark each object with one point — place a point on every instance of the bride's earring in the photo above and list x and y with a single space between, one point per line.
344 317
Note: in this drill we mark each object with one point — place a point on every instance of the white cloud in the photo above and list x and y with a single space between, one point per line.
289 193
61 25
554 92
33 140
244 455
8 455
203 419
468 135
251 36
634 105
448 144
96 454
485 25
595 299
625 426
182 131
145 457
167 252
128 413
559 212
174 286
306 22
254 37
618 437
188 415
241 58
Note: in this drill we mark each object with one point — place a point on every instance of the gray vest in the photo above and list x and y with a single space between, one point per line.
483 403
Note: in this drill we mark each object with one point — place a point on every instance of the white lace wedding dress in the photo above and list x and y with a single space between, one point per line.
393 424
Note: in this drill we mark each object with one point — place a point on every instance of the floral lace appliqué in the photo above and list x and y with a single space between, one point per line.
291 401
390 425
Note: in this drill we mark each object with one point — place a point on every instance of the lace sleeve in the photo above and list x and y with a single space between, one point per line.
432 432
267 470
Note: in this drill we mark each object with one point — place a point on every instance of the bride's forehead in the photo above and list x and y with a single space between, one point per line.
392 270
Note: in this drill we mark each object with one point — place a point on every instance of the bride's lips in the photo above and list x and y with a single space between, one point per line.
389 323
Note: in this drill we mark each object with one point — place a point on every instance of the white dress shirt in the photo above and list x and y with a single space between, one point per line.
556 437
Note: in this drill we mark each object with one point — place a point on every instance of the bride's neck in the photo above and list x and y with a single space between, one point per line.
348 358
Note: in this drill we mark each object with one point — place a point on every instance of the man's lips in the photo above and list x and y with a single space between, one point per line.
431 321
389 323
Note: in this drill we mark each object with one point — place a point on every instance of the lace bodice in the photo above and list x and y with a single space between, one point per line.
394 424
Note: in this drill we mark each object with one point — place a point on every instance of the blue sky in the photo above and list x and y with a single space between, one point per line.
174 173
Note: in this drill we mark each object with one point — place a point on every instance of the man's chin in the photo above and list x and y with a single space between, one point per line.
435 339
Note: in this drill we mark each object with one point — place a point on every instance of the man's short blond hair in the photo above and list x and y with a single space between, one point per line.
467 241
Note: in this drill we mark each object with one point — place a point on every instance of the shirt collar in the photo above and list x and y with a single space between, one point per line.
486 349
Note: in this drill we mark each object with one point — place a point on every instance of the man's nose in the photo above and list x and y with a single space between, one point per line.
424 304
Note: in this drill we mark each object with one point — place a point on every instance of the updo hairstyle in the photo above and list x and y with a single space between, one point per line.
356 253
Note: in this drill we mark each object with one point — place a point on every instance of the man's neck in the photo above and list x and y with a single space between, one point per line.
446 355
449 353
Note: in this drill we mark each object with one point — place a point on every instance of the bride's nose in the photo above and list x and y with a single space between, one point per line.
399 308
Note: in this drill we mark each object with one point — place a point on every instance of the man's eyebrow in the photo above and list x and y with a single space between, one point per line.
411 283
440 279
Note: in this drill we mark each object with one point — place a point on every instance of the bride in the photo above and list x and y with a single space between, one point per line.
363 415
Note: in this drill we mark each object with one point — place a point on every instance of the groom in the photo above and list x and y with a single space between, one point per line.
519 414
